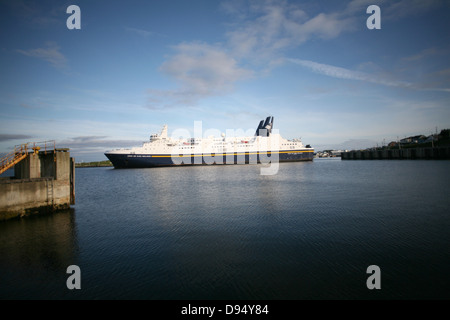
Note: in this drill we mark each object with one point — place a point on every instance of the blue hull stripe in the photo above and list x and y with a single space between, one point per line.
161 160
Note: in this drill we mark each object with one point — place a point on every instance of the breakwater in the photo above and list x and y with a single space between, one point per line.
398 154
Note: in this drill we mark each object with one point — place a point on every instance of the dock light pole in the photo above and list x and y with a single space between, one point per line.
432 140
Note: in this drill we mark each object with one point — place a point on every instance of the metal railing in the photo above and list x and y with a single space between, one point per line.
21 151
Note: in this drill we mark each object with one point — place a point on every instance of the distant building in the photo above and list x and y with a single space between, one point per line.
329 153
413 140
336 153
393 144
431 138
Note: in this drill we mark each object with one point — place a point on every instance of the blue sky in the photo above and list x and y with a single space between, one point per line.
136 65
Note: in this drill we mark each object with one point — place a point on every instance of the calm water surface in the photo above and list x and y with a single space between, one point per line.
227 232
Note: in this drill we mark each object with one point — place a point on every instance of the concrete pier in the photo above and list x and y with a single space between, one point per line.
43 182
440 153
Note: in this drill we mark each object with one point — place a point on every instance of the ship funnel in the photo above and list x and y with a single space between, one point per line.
271 126
267 124
267 121
260 126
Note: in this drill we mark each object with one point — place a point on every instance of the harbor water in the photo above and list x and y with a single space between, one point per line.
227 232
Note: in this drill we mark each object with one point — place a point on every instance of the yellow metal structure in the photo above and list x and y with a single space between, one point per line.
21 152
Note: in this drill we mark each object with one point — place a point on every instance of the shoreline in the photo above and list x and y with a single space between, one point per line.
94 164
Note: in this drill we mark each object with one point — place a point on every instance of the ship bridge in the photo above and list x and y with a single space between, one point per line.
161 136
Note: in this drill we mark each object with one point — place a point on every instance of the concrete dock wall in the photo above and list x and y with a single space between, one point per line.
42 182
24 197
399 154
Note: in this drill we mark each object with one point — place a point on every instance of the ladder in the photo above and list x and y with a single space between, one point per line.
50 193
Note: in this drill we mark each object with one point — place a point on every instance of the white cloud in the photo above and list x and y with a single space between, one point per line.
264 30
51 53
200 70
260 34
269 27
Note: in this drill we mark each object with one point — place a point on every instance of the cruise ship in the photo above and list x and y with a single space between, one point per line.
265 146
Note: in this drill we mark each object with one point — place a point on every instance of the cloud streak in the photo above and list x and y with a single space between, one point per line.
346 74
94 142
92 148
8 137
50 53
140 32
342 73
